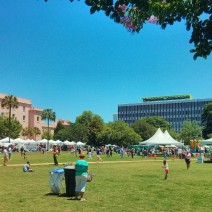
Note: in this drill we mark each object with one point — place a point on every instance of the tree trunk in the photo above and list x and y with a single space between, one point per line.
48 137
9 122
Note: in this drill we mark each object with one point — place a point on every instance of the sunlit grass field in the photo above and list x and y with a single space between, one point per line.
133 185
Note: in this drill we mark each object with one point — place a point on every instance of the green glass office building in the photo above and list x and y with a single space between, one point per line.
175 109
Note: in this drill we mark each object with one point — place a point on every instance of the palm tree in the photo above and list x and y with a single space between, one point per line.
28 132
10 102
48 115
36 132
25 132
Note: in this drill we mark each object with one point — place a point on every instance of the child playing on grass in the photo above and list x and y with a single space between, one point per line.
166 167
155 156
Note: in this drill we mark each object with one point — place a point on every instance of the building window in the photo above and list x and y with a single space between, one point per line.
38 118
24 118
2 114
24 107
13 115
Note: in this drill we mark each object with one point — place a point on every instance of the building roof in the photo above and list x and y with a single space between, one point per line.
165 98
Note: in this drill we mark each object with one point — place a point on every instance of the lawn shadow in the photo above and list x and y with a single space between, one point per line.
51 194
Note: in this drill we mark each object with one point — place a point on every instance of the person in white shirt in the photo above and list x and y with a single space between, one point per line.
6 156
27 167
9 152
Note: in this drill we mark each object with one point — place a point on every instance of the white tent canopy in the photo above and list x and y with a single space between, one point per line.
68 143
6 140
206 142
160 138
79 143
73 143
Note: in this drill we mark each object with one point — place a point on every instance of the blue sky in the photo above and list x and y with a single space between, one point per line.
61 57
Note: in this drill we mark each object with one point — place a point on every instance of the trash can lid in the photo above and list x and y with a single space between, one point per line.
69 167
57 170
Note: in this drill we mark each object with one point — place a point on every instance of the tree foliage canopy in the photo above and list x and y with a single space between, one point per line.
157 122
119 133
144 129
10 102
133 14
207 120
4 128
190 131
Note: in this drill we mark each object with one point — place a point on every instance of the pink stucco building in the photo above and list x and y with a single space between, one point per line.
29 116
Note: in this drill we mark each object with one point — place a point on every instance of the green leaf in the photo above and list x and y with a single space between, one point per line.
93 9
89 2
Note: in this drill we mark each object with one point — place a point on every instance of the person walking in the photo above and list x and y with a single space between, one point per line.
81 174
188 159
6 156
166 167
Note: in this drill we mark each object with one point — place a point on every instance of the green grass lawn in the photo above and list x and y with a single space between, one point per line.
134 185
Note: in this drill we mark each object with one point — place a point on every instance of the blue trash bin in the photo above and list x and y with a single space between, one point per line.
55 182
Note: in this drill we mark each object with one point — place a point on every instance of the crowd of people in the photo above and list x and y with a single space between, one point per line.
81 165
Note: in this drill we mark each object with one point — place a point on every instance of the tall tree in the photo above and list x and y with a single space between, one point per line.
57 129
120 134
15 127
85 118
47 135
48 115
191 130
95 126
133 15
10 102
207 120
36 131
27 132
157 122
144 129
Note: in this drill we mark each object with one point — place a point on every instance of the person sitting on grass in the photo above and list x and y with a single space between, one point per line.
27 167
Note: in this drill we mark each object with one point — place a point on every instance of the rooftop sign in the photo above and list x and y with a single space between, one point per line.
165 98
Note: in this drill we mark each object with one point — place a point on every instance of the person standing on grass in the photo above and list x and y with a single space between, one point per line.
98 157
155 156
6 156
172 154
188 159
9 152
22 150
166 167
132 153
81 174
55 156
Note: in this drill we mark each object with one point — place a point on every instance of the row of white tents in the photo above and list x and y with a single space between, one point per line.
30 143
206 142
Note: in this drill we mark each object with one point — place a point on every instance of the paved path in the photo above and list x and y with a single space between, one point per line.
93 162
